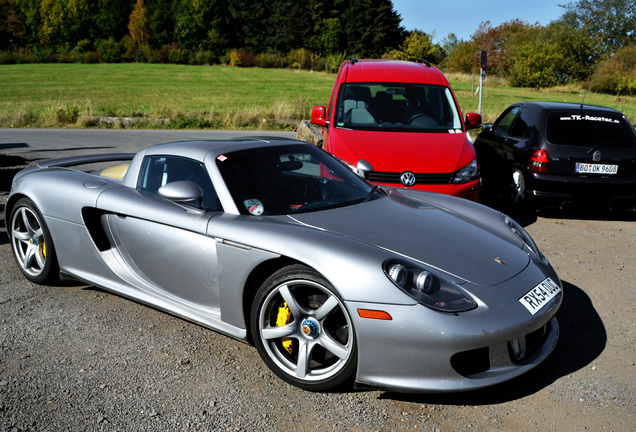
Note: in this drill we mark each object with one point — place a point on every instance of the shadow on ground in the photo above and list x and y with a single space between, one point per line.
604 211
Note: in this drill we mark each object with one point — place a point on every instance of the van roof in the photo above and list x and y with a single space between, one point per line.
375 70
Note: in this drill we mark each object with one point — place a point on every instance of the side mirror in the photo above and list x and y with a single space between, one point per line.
319 115
473 120
487 127
181 191
364 168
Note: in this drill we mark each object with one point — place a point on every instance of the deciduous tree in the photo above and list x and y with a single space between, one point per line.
612 22
464 57
138 23
494 40
66 23
112 18
616 75
13 30
418 44
548 56
330 36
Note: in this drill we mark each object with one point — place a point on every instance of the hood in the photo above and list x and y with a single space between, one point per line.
427 234
419 152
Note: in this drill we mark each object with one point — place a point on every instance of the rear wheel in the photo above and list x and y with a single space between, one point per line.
32 244
303 331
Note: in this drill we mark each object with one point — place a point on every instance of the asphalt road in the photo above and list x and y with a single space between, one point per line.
38 144
73 357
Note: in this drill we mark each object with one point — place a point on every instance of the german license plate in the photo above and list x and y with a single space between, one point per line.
539 296
588 168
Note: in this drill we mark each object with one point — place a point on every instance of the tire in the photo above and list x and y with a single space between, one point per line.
32 245
302 330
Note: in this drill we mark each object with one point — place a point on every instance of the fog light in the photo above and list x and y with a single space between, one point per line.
517 349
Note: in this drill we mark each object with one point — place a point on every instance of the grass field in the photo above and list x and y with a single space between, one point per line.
72 95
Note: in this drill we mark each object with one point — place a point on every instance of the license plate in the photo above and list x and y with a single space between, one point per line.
588 168
539 296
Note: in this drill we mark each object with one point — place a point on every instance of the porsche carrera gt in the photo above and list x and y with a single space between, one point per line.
275 242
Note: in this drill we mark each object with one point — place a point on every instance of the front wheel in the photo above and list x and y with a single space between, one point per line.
303 331
32 244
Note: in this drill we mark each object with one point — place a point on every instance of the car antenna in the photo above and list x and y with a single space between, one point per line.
354 60
583 100
420 60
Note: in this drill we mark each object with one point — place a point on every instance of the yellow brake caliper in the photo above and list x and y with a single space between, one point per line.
283 318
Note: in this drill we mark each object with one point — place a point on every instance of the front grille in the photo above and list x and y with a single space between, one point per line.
389 177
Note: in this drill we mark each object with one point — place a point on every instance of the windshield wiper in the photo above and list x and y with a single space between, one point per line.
372 193
604 144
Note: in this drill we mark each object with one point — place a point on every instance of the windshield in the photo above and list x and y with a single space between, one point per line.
588 129
397 107
288 179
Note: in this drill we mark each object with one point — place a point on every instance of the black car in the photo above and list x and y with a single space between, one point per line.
548 154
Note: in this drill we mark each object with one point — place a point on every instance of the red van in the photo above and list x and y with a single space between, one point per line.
403 119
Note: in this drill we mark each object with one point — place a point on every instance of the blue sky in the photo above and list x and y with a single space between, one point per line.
463 17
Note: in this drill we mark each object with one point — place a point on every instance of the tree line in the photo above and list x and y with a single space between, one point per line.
592 42
144 27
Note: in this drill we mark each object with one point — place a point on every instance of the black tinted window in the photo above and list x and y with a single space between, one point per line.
586 128
522 127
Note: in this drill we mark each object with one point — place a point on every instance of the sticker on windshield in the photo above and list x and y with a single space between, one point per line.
578 117
221 158
254 206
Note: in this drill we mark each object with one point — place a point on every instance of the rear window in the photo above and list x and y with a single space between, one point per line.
397 107
588 129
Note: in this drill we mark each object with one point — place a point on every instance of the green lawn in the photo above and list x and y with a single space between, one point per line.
54 95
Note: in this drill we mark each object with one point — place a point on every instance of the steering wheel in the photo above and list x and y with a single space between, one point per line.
409 121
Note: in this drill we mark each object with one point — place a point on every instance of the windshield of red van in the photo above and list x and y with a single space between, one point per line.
397 107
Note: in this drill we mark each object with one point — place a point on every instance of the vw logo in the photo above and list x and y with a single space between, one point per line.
408 179
596 156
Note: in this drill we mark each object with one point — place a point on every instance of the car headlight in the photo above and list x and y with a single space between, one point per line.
469 173
522 234
428 288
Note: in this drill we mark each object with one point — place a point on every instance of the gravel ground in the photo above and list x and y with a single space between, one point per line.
73 357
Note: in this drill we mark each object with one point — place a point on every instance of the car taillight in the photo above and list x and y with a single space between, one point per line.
539 162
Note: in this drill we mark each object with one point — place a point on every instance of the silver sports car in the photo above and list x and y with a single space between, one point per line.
278 243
